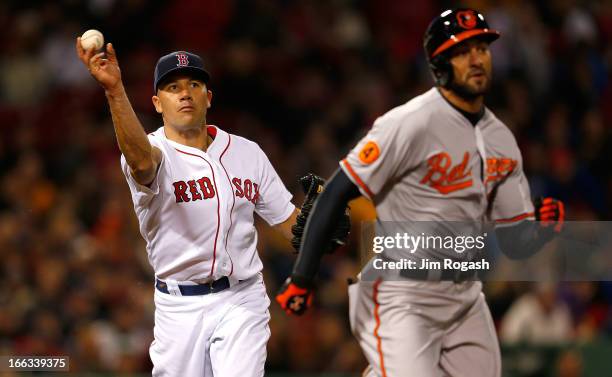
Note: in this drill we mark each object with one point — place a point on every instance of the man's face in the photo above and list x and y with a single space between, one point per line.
471 62
183 101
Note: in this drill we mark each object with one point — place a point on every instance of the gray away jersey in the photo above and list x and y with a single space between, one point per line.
422 161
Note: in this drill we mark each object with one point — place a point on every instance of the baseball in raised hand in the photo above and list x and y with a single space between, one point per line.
103 66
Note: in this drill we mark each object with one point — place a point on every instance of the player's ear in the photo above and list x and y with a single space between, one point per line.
157 104
209 95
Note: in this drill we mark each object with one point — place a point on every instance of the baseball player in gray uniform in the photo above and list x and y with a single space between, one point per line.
443 156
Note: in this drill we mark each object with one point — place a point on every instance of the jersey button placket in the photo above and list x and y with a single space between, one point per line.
225 202
481 147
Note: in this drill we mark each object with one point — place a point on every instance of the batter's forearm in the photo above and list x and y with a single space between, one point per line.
317 234
131 136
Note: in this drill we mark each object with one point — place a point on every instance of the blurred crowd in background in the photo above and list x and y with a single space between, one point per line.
305 79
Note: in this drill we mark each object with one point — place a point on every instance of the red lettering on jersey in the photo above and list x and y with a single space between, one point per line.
444 180
238 184
206 190
207 187
195 194
248 189
180 192
256 193
499 167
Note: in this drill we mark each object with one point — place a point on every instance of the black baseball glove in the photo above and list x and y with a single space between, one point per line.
313 185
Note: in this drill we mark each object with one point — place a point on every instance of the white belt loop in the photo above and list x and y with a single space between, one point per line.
233 281
173 287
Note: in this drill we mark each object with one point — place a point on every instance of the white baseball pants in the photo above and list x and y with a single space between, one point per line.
220 334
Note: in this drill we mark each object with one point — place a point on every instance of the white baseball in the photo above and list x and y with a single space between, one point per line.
92 38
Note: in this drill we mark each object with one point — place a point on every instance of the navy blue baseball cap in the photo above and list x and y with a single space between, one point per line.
179 61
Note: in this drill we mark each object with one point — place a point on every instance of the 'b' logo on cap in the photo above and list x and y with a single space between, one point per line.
183 60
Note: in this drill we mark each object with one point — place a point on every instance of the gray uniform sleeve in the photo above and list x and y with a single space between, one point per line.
273 199
511 195
388 151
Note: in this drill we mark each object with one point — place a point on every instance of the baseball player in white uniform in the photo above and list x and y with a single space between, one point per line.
443 156
195 189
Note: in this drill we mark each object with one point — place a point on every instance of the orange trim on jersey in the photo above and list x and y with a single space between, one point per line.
462 37
377 318
561 217
218 205
357 179
515 218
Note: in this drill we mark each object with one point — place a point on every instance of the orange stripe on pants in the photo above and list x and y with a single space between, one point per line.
377 318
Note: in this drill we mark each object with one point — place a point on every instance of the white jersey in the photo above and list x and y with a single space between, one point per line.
197 215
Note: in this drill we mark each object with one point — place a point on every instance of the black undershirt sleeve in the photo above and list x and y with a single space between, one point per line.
523 239
323 219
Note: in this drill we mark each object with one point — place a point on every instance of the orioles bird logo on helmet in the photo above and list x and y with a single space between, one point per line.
467 19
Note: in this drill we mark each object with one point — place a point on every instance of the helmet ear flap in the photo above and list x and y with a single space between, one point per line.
442 70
